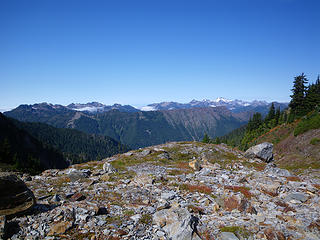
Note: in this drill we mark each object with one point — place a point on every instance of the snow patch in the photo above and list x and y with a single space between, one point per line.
148 108
88 109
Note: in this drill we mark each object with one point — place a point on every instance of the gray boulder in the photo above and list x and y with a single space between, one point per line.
108 168
145 153
15 196
262 151
297 196
273 170
76 175
178 223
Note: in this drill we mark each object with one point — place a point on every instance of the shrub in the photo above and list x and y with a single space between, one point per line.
308 123
315 141
146 219
237 230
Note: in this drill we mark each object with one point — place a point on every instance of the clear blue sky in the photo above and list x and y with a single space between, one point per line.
139 52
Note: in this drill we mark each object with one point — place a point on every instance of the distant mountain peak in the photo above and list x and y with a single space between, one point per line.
96 107
233 105
221 99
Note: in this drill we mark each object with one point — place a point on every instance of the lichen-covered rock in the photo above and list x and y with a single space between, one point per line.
195 164
15 196
60 228
108 168
177 222
262 151
75 175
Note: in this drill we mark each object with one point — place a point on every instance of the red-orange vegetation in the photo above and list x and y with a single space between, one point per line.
196 188
206 235
244 190
293 179
184 165
317 186
272 194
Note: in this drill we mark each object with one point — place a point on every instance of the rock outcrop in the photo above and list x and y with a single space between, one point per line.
15 196
262 151
150 198
177 223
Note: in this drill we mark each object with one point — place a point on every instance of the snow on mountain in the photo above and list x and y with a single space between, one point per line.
88 109
95 107
148 108
233 105
220 99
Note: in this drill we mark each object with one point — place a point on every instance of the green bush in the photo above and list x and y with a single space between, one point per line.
315 141
308 123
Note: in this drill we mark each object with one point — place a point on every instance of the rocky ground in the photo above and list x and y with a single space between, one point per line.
171 191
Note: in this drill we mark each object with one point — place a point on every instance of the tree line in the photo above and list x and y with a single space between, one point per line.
305 98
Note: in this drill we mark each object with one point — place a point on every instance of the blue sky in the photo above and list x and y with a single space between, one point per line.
139 52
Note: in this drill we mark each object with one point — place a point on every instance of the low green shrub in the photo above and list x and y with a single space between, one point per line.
308 123
315 141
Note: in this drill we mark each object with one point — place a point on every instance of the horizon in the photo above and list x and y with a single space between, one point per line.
149 52
141 106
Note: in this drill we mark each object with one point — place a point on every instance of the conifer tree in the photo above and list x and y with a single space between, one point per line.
206 138
297 103
312 98
254 122
217 140
277 116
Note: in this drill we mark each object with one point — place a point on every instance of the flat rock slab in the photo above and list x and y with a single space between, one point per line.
297 196
228 236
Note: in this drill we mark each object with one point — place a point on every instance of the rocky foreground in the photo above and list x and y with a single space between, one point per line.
171 191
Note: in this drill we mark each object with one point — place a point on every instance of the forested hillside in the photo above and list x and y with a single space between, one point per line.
21 151
138 129
76 146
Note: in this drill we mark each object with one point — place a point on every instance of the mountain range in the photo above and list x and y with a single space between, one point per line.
232 105
136 128
235 106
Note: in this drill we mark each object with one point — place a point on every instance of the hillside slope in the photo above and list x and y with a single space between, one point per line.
20 150
292 150
76 146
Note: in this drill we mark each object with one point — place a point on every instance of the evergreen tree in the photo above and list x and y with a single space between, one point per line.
297 103
255 122
5 151
277 116
217 140
206 138
271 113
312 98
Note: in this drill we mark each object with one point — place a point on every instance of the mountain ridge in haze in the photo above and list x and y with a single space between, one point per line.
137 129
96 107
